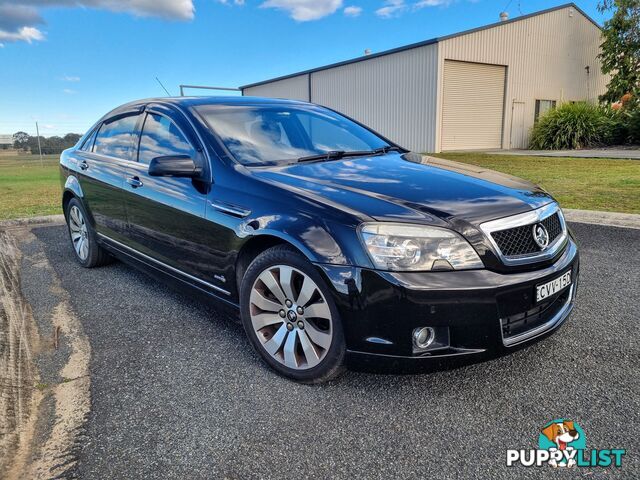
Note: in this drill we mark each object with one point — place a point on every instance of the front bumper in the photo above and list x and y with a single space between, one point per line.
476 314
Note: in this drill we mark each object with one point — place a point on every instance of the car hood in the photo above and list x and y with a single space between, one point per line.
410 188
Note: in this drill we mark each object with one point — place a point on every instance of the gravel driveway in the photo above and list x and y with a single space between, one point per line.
178 393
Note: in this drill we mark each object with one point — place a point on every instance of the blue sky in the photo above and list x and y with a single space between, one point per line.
67 65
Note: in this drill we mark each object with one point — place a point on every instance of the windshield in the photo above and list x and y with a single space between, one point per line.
269 134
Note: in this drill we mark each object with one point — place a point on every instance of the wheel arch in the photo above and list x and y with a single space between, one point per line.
72 189
255 246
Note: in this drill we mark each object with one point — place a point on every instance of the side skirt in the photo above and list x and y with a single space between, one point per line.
166 273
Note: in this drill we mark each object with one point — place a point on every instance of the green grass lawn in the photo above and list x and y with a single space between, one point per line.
28 188
584 183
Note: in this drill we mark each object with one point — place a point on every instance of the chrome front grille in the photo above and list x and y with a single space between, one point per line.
513 237
519 240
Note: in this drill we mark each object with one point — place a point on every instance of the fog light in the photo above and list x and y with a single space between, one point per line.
423 337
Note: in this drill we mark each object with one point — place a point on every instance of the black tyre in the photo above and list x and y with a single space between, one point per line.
290 318
83 237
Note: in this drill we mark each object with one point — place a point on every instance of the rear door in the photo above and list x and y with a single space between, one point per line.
166 215
101 165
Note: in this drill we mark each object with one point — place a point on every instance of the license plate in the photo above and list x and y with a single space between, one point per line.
546 290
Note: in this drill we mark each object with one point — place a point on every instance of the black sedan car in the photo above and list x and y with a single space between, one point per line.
337 246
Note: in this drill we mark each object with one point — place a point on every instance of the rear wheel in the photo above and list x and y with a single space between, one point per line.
290 317
83 238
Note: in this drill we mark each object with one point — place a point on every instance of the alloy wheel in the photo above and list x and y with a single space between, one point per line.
291 317
79 233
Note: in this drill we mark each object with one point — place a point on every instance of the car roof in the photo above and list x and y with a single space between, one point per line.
196 101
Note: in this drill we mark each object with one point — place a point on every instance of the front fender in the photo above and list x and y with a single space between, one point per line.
319 240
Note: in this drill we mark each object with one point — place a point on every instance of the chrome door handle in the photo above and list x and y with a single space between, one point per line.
134 182
83 165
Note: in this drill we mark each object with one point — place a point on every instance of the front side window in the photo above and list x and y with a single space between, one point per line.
162 138
117 138
271 134
543 106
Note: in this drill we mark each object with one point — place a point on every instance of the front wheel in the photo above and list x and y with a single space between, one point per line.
290 317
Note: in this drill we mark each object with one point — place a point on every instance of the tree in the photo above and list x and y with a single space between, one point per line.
20 140
620 50
70 139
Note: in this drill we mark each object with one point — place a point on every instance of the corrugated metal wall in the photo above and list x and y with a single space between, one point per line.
295 88
546 57
393 94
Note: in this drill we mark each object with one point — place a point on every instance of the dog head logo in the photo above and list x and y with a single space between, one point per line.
562 436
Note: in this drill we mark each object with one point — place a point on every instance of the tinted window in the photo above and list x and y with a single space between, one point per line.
326 135
117 138
264 134
88 143
160 137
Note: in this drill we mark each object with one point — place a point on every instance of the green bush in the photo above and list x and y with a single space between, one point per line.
615 126
575 125
633 126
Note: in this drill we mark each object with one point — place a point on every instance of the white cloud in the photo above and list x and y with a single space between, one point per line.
352 11
431 3
71 78
229 2
395 8
171 9
392 8
18 19
305 10
69 91
23 34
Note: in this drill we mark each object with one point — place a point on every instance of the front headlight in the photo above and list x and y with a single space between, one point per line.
402 247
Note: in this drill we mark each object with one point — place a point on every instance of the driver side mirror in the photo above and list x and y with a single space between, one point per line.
174 166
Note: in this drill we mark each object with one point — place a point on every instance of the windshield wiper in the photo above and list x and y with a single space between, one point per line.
388 148
338 154
331 155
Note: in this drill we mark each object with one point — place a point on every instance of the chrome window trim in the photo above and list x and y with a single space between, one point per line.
157 262
522 219
554 322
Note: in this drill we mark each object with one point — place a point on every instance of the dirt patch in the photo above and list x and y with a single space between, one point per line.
18 338
35 442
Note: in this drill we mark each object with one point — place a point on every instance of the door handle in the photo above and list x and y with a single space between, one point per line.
134 182
84 165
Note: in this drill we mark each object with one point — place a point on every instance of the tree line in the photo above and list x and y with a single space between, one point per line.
49 145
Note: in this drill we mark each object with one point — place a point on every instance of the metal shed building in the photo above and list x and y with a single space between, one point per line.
480 89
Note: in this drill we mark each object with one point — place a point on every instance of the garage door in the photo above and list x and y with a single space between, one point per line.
472 106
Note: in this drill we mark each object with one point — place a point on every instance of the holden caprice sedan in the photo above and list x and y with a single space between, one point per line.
337 246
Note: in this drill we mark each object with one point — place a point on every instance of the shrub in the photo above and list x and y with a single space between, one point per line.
574 125
633 126
615 126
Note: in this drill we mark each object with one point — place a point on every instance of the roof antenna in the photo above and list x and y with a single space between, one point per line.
168 94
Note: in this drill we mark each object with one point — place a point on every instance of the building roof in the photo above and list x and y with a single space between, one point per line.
423 43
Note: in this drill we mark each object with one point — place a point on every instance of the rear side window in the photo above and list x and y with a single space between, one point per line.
118 138
160 138
87 146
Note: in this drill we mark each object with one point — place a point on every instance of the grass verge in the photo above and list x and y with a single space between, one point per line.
27 187
583 183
